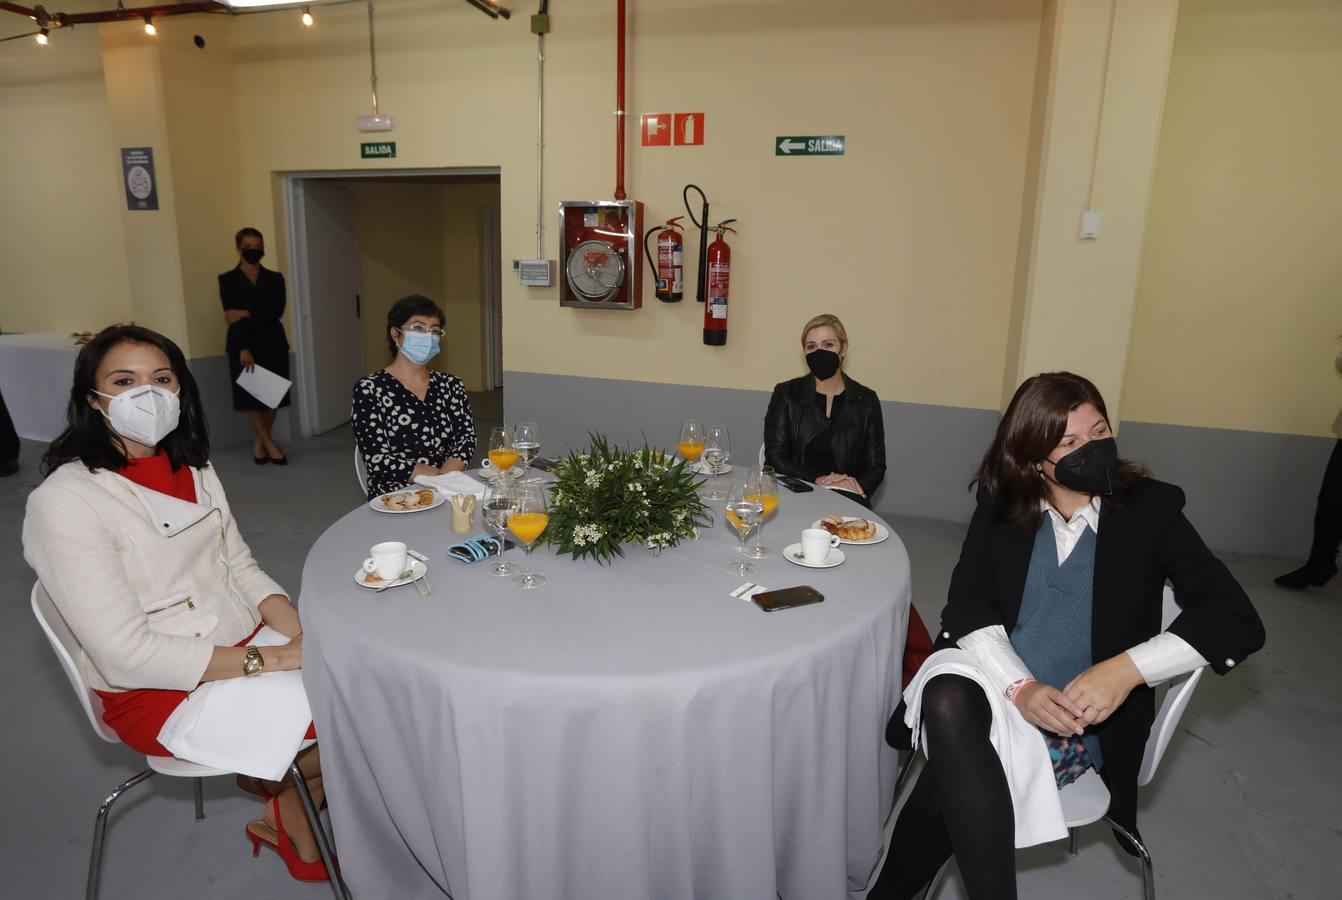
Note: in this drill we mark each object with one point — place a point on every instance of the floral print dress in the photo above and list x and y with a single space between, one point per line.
394 429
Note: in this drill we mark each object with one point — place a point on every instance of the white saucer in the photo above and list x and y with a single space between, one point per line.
882 533
417 571
792 553
701 468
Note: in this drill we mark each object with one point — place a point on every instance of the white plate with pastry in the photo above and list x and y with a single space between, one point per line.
408 500
853 529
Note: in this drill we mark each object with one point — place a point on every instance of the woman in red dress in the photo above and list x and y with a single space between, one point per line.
132 536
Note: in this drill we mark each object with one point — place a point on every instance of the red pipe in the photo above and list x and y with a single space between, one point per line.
619 101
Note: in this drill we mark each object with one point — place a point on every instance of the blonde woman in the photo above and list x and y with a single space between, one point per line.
825 426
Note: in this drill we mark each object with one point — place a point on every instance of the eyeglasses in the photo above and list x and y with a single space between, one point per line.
423 329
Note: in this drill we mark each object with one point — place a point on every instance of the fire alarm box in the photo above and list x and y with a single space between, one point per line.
600 264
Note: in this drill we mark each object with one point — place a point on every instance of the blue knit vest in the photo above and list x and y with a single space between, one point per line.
1053 634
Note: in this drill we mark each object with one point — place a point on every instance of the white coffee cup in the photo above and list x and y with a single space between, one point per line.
816 544
387 561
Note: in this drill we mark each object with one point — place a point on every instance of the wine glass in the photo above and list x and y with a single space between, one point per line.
500 502
527 523
527 443
717 450
502 453
764 486
743 513
691 443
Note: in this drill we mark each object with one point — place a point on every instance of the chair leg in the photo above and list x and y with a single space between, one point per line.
323 845
1071 841
931 889
100 831
199 786
1148 875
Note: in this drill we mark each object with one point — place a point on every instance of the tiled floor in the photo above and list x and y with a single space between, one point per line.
1248 803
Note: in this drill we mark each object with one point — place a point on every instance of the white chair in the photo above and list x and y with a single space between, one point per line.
1086 800
360 470
761 456
67 650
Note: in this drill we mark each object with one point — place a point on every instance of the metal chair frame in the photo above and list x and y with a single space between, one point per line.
66 647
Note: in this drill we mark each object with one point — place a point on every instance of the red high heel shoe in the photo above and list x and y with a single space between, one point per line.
298 868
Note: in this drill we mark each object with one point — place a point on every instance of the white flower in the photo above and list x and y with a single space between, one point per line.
593 479
586 534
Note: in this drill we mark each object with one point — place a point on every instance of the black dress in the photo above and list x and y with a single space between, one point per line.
262 332
801 441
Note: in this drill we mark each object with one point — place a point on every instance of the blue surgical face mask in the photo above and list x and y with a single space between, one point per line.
419 348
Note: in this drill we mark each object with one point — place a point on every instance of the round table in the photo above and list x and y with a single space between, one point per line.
630 731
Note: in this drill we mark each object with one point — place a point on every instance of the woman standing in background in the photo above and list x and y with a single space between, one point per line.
1322 563
253 299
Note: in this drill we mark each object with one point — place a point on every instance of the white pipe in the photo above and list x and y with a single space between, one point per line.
540 138
372 55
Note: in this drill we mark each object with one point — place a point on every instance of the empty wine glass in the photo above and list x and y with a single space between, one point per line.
743 513
527 523
764 487
500 502
527 443
691 442
717 450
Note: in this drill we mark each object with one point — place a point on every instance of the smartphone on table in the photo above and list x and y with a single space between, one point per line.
787 598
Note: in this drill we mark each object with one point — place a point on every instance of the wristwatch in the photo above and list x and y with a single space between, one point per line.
252 663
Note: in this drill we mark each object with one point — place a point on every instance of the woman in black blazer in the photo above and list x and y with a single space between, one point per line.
1051 483
825 427
253 299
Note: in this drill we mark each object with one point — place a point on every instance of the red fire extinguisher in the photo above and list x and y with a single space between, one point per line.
669 267
719 282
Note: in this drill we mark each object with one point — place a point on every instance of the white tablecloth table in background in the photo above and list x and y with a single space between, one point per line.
621 733
36 371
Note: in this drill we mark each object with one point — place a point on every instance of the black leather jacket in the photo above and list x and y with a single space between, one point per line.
856 434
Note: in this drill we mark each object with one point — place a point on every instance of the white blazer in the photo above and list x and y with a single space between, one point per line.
149 584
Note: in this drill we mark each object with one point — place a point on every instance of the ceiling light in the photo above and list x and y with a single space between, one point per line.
307 17
149 28
42 37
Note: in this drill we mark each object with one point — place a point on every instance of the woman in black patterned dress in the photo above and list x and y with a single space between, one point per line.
408 419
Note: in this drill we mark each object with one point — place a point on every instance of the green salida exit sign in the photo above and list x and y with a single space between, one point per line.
378 150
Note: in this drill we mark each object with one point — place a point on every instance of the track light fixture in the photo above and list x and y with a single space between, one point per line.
149 28
307 17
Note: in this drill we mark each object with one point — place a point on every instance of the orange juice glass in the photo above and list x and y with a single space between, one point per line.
527 526
691 450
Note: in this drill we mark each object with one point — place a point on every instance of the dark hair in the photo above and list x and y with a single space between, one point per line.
89 439
1034 422
405 309
247 232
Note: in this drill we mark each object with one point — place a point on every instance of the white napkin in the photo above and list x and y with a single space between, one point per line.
450 483
1024 755
254 726
264 385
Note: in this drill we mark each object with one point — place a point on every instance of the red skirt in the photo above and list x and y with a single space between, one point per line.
138 716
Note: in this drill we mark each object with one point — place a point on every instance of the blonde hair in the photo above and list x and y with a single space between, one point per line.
826 319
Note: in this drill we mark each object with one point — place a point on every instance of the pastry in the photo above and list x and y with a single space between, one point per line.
851 529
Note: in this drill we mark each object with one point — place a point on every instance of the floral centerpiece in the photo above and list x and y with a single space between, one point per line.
609 496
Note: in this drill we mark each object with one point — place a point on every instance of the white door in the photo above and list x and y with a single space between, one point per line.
334 358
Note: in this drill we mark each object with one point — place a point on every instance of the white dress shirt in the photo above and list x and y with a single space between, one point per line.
1159 659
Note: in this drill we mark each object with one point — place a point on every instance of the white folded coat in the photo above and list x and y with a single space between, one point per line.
1019 745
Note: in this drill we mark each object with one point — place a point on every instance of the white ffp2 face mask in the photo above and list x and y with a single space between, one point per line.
146 414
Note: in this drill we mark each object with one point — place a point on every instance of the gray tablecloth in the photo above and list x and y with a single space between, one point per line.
624 732
36 371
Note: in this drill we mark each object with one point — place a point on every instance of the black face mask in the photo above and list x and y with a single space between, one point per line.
252 257
823 363
1089 469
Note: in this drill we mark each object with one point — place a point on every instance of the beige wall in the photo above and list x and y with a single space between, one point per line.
463 299
62 250
1240 299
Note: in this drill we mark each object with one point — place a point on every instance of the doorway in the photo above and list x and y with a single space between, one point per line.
359 241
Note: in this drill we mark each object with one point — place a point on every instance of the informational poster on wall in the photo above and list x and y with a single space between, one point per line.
137 171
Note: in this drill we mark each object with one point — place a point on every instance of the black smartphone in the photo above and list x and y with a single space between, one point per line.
542 463
795 485
770 601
